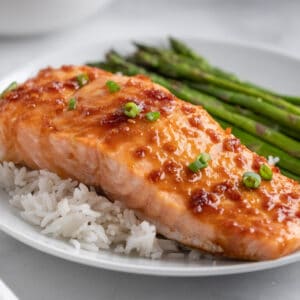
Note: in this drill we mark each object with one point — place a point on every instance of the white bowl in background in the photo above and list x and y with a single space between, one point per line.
19 17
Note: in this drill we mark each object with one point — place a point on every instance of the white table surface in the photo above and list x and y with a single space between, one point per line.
34 275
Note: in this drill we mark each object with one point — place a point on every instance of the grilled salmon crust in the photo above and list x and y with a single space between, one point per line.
144 164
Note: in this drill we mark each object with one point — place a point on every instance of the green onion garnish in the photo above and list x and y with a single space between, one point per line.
153 116
265 172
112 86
82 79
131 110
12 86
204 157
72 104
251 180
199 163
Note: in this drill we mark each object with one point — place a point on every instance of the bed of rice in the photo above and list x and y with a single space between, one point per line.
71 210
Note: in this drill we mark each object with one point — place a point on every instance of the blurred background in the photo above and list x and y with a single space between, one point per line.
30 28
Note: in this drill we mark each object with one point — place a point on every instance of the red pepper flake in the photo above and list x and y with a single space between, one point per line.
196 122
171 167
170 147
114 119
140 152
167 109
221 188
229 190
156 175
93 75
223 171
131 82
71 84
60 101
267 199
289 196
188 132
234 194
158 94
13 95
88 111
54 86
201 199
275 169
284 212
231 144
240 160
257 162
293 195
214 136
228 130
187 109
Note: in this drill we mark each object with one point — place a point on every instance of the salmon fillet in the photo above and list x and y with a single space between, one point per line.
145 164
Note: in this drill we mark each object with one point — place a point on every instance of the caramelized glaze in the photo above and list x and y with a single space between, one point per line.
145 163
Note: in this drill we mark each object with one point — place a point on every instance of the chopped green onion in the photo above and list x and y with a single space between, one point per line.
204 157
72 104
153 116
131 110
200 162
196 165
82 79
265 172
112 86
12 86
251 180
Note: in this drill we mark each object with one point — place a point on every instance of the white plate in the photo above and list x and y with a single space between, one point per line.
260 65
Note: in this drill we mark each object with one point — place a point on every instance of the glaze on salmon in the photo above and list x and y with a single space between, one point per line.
145 164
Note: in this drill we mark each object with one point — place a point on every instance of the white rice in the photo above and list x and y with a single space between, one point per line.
71 210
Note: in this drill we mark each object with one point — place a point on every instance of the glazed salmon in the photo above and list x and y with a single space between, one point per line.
79 130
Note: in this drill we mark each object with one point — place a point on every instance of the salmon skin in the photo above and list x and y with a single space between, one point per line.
145 164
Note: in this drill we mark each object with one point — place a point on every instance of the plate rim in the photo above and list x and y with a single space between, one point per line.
203 271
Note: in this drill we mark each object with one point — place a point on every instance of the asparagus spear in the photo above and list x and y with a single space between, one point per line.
261 119
152 49
205 66
182 49
292 99
176 57
262 148
102 65
214 107
289 174
255 104
184 71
